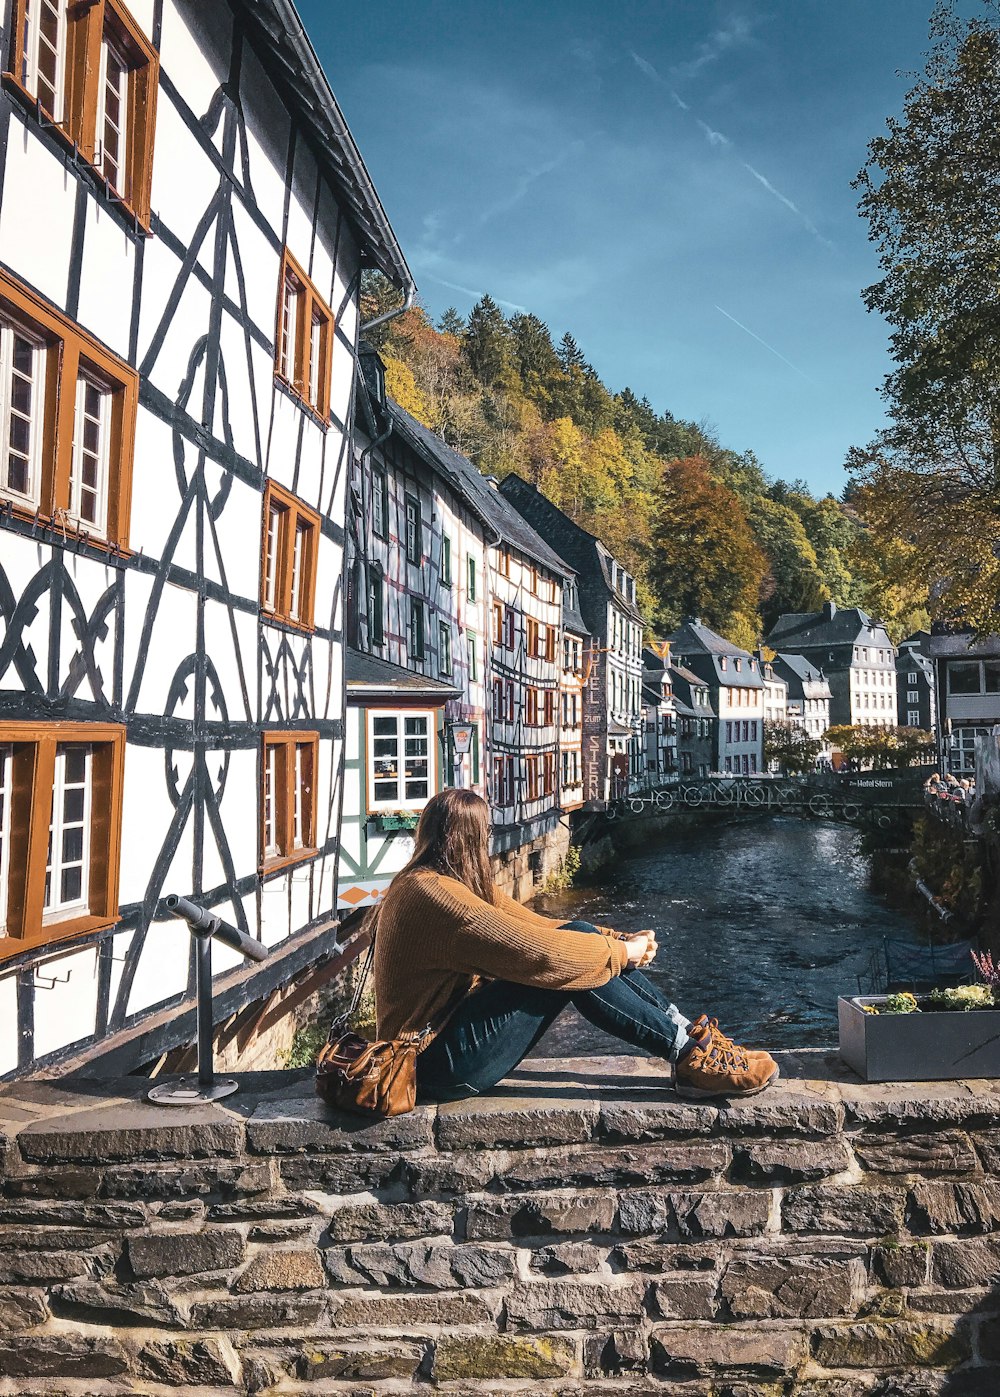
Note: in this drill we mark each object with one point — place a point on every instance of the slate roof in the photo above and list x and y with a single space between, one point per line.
368 676
692 639
587 546
284 49
847 626
572 620
484 499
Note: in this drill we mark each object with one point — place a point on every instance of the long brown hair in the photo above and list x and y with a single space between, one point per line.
453 837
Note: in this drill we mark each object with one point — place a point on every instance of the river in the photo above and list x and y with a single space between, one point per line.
762 925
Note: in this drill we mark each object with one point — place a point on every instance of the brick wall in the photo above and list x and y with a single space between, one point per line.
581 1231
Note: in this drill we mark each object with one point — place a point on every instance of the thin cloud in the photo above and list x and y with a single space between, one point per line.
714 138
736 32
720 141
769 347
474 295
523 185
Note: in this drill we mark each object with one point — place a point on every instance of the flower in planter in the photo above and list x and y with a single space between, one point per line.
902 1003
988 972
962 998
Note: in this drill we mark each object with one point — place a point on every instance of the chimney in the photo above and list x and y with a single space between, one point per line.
829 610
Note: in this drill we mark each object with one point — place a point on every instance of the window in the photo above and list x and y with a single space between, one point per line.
288 572
548 773
400 760
913 718
551 637
531 707
729 731
380 503
913 696
93 72
964 677
304 337
723 662
414 533
499 704
503 562
498 611
67 420
531 631
508 627
532 775
444 647
376 608
288 797
549 707
509 694
471 563
60 829
415 637
473 656
991 675
446 561
503 781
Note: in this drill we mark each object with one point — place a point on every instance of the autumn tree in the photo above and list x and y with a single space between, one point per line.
930 192
705 561
791 747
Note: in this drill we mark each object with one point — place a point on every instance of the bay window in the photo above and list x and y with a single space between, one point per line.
401 759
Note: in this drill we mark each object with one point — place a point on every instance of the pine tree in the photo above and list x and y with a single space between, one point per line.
487 346
451 323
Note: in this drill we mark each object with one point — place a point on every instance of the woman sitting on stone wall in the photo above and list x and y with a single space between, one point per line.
452 949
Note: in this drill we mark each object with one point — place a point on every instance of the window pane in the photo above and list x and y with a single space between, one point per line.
963 677
315 359
384 725
67 865
415 726
113 117
992 668
22 363
289 321
89 464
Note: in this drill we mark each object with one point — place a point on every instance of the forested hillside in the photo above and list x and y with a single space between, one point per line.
702 526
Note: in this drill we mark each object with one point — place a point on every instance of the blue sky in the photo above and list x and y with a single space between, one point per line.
668 181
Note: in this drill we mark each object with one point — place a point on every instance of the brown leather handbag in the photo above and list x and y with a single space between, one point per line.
370 1079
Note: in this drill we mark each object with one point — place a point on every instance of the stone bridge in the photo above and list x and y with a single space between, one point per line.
579 1231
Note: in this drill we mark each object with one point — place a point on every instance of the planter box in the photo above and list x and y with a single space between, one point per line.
390 824
925 1047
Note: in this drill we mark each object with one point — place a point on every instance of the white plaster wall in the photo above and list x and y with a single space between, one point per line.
8 1023
173 635
65 1013
38 248
106 279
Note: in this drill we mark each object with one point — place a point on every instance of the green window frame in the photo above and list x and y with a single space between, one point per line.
473 657
446 560
472 578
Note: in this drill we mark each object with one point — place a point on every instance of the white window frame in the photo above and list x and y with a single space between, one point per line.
401 800
912 719
298 558
124 97
54 909
272 547
100 524
315 356
8 330
32 42
291 296
271 847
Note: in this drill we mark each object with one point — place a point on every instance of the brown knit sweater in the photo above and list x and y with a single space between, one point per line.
435 937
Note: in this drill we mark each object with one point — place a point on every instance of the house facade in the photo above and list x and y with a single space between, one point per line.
967 687
181 236
660 714
576 654
696 722
613 745
916 696
854 652
808 694
736 688
416 633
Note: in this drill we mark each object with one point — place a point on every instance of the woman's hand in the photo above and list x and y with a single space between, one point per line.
642 947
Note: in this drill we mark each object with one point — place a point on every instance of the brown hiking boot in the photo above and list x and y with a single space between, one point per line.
720 1039
710 1069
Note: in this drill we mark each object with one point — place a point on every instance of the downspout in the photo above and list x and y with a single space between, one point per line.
408 299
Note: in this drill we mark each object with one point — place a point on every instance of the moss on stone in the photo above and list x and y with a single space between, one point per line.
503 1356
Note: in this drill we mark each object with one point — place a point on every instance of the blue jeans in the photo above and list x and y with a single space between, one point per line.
498 1025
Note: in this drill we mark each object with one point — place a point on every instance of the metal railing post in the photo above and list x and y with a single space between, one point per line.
204 925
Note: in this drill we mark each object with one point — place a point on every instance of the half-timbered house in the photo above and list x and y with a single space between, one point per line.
184 216
416 660
576 659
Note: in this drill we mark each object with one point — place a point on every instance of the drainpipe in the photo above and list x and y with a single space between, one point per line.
408 299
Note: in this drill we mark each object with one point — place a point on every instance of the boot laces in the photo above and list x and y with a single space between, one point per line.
730 1058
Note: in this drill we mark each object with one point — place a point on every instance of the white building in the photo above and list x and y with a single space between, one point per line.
737 695
172 513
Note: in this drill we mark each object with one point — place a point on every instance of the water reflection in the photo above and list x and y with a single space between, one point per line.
761 924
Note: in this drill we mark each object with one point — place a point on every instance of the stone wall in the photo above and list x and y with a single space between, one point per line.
580 1231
